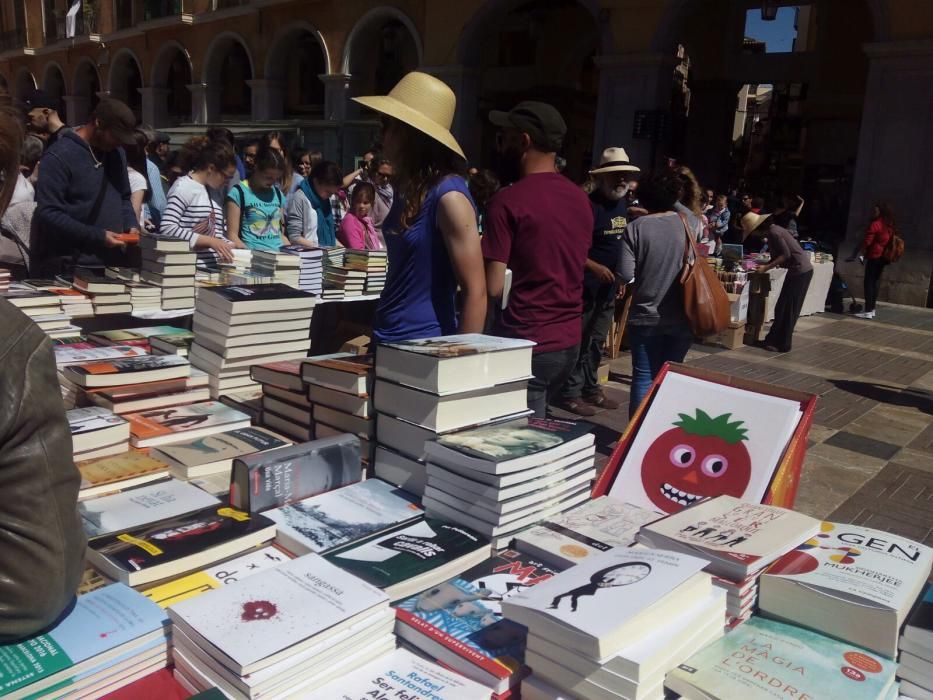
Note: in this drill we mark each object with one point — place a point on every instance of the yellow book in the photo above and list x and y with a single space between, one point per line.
216 576
118 472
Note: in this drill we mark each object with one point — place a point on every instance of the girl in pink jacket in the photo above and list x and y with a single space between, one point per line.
356 227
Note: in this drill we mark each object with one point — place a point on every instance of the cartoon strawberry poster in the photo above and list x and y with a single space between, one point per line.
701 439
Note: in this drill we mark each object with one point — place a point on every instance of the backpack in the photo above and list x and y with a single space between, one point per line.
894 250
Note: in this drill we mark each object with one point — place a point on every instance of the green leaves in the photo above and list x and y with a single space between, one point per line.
703 425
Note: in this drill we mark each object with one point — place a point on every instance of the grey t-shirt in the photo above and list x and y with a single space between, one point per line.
653 255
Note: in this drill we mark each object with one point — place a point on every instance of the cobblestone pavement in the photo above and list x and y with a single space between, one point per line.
870 455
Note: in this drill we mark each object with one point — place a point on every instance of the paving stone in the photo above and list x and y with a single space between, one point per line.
924 441
863 445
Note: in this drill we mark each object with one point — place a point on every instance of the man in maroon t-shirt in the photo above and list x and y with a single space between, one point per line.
540 228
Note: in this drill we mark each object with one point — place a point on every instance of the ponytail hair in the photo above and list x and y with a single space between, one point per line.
200 152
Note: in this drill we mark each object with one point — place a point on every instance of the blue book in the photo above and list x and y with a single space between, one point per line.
764 659
102 625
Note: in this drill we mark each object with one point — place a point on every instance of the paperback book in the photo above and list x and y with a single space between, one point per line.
215 453
130 370
65 355
118 472
175 423
95 427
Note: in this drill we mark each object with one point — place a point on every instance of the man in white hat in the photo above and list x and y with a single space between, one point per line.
581 393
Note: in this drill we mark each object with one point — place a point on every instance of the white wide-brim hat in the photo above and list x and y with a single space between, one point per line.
424 103
615 160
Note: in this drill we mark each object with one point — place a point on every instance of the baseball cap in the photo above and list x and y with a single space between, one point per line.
40 99
541 121
117 118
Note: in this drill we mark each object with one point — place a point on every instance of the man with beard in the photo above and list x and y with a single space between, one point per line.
540 227
42 117
581 393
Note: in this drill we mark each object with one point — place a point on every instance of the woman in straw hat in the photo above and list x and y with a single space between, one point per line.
431 232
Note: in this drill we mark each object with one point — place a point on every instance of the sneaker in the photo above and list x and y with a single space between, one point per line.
600 400
867 315
576 406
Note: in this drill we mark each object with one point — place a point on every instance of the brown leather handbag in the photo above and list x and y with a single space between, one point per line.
705 302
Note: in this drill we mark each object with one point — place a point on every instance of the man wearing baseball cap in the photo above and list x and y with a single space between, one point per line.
83 192
540 228
42 117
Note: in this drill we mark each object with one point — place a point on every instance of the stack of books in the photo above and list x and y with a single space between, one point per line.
339 389
849 582
343 282
373 263
664 608
280 267
68 355
237 327
503 478
311 270
4 279
285 404
35 303
915 669
173 344
459 622
162 426
333 260
425 388
737 539
144 297
97 432
110 638
242 261
107 295
583 532
144 396
170 265
316 623
74 303
124 274
767 659
138 337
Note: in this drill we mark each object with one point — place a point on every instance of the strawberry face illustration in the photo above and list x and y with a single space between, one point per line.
700 457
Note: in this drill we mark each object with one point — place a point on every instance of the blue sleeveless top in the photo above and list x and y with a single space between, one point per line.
418 299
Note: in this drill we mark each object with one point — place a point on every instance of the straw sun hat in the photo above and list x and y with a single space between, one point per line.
751 221
423 102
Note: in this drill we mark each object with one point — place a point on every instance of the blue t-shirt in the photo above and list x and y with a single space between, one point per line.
418 299
261 216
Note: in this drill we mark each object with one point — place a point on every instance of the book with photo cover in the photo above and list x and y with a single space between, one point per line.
460 622
175 344
414 558
214 453
338 518
781 657
134 336
95 427
700 439
145 504
455 363
507 447
69 355
175 423
130 370
850 582
737 538
118 472
276 613
178 545
273 479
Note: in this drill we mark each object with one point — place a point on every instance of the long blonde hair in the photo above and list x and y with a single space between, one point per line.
11 142
692 192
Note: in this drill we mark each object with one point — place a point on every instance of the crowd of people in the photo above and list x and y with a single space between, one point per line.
451 231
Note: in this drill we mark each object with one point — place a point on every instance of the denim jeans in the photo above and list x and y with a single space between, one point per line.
598 311
649 353
550 370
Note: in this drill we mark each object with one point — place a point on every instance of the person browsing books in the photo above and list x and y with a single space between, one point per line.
193 211
309 217
430 233
42 542
356 228
256 206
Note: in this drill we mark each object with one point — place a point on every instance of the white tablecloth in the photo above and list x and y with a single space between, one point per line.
815 301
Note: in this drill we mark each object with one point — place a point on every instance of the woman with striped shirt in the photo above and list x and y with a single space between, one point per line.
193 210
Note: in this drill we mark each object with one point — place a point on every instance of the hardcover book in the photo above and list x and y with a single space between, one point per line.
401 674
215 453
132 468
346 372
130 370
142 505
217 576
421 553
255 298
100 623
919 628
738 539
130 336
177 545
763 658
150 428
701 439
460 622
336 518
276 613
269 480
95 427
65 355
849 582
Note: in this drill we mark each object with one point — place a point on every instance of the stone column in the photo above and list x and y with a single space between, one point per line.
77 109
268 99
205 103
709 130
895 165
467 126
155 106
629 83
337 104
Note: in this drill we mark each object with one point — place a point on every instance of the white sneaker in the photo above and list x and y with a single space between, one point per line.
867 315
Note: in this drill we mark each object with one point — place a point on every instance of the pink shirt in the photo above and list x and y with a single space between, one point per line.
358 234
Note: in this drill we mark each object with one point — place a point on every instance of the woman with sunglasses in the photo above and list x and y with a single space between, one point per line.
430 233
193 211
